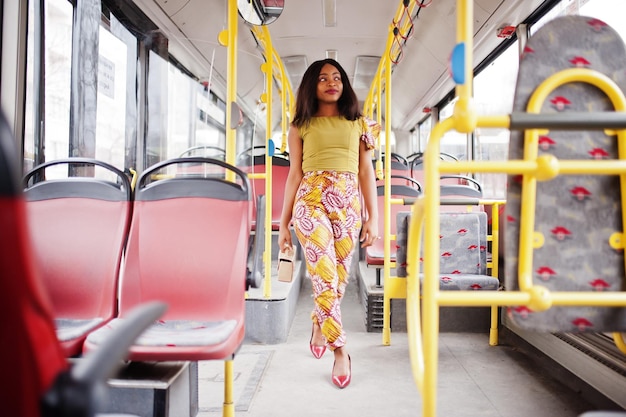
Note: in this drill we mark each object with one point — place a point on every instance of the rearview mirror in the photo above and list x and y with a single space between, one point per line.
260 12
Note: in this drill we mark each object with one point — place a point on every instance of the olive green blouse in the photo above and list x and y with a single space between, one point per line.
331 143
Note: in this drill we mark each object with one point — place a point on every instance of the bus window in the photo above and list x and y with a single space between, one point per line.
453 142
494 88
110 130
58 59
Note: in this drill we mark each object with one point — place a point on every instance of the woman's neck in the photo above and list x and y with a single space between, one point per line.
327 109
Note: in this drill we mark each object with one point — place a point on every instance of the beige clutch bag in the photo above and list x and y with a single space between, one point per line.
285 265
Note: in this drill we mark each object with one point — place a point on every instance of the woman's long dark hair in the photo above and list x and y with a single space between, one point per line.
306 100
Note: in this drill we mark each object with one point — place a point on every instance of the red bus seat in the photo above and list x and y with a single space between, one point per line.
375 254
280 170
188 248
32 356
78 228
416 166
460 193
206 151
37 378
400 170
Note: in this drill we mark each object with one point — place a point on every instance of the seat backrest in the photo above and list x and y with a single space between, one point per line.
256 251
188 243
32 356
85 220
375 252
280 170
79 226
461 185
455 189
416 167
577 218
205 151
463 243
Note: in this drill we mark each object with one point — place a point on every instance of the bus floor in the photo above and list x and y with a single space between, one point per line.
285 380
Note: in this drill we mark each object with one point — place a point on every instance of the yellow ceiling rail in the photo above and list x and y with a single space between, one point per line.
262 34
400 31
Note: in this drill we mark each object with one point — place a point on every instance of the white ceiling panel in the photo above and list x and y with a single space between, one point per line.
419 79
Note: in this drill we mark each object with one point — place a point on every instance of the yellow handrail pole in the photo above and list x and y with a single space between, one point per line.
464 112
273 64
284 111
495 253
384 64
379 112
430 308
387 197
266 97
413 316
228 38
463 120
287 96
229 405
495 256
379 169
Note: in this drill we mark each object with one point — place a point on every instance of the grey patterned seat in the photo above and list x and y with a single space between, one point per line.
578 218
463 248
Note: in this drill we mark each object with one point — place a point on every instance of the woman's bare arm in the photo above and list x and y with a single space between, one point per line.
367 182
291 186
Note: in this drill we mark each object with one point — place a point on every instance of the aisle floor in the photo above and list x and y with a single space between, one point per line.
285 380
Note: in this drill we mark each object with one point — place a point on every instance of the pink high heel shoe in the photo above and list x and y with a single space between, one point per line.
343 381
317 351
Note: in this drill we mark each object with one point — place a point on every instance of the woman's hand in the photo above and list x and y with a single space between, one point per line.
284 238
369 233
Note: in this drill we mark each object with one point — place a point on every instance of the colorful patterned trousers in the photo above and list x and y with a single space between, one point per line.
327 220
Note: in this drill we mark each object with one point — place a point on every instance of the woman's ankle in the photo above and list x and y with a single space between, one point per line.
317 338
341 353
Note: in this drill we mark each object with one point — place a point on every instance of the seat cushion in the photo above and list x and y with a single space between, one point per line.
174 333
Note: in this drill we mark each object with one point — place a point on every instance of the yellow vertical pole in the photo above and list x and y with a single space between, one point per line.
267 99
387 183
387 225
284 120
229 405
377 105
495 238
228 38
286 96
464 35
465 117
464 120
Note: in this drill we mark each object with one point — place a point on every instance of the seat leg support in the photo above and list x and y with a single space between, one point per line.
493 330
229 405
394 288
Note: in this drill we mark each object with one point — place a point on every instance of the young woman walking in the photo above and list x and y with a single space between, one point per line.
331 168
